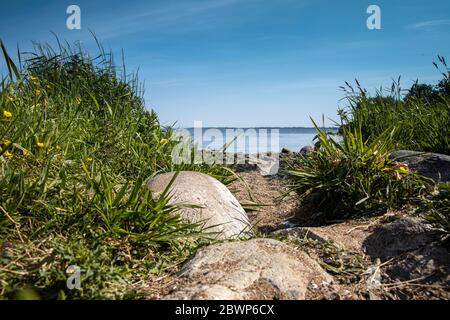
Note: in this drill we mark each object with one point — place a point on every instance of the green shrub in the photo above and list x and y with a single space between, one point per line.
421 118
348 176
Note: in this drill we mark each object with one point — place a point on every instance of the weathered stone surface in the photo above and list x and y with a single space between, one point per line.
254 269
306 150
347 236
218 210
432 165
403 235
419 256
268 165
429 264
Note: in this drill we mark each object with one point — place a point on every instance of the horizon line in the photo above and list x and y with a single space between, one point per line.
261 127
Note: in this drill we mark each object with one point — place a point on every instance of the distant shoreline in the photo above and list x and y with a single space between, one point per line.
255 140
293 128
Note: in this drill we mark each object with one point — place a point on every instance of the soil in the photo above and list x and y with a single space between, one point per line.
421 271
267 191
348 250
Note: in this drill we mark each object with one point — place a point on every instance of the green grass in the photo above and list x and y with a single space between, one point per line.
421 117
76 148
352 177
435 207
421 122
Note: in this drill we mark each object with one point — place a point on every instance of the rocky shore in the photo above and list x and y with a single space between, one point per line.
268 250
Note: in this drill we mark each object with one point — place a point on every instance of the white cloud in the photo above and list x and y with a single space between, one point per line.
429 24
166 16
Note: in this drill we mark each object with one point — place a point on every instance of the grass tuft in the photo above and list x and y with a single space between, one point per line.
76 147
348 176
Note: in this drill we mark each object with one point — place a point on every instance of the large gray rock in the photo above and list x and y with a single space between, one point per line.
416 252
403 235
254 269
433 165
217 210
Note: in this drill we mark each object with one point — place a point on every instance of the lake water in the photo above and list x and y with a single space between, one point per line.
254 140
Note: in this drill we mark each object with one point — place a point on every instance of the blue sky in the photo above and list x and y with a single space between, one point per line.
248 62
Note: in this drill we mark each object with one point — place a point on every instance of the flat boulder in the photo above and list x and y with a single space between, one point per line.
255 269
432 165
393 239
214 206
411 248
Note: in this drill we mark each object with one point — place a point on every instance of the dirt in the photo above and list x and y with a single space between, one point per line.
273 212
353 251
386 257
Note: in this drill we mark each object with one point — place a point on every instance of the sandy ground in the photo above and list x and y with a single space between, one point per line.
339 249
268 191
279 211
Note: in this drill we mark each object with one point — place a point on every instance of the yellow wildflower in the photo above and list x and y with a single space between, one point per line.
163 142
37 92
89 159
7 114
11 99
40 145
402 167
8 155
6 142
34 79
